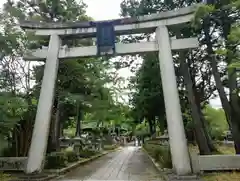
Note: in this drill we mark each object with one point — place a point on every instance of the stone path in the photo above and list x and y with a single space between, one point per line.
129 164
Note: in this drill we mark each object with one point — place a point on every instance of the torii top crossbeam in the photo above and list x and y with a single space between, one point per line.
141 24
133 25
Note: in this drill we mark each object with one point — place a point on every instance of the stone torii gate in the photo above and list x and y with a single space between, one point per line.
162 44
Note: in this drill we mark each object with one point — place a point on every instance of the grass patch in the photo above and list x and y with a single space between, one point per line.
222 176
223 149
5 177
226 150
110 147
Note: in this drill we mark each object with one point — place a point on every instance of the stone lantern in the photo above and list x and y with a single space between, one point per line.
65 142
164 138
78 143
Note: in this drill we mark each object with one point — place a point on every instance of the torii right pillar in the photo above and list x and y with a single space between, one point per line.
177 138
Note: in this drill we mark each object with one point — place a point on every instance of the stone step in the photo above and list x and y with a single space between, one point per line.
31 177
173 177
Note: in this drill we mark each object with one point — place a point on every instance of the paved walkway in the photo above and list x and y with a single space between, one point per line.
129 164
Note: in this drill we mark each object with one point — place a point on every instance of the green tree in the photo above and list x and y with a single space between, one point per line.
148 99
79 80
221 18
217 122
199 90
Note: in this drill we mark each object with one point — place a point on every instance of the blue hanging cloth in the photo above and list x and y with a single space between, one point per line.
105 38
208 1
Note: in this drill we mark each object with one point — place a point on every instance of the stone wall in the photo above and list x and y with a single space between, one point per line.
215 162
12 163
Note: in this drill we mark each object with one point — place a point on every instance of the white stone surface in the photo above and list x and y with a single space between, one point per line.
128 164
120 29
42 122
215 162
177 138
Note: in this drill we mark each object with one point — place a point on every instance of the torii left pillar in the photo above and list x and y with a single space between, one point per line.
177 137
39 141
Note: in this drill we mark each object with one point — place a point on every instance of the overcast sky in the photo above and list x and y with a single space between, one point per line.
110 9
103 9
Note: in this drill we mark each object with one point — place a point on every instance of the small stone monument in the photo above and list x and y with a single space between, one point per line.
98 144
164 138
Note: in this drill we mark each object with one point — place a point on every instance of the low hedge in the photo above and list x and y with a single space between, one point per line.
110 147
56 160
5 177
71 156
160 153
87 153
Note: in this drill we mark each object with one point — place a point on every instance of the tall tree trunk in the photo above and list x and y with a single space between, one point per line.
198 127
57 126
203 121
152 125
21 138
79 118
14 150
235 114
51 147
213 63
231 110
233 87
162 124
61 133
